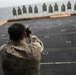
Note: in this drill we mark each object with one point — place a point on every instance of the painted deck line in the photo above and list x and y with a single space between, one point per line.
3 38
57 63
60 15
3 22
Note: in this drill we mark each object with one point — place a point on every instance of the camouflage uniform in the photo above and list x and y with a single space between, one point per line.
20 58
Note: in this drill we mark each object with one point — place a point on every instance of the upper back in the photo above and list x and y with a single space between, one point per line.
20 59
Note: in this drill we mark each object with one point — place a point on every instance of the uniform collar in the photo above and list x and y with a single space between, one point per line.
19 43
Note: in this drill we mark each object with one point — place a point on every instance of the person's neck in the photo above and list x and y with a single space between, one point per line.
24 40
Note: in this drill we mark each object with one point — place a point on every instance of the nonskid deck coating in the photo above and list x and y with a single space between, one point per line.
59 56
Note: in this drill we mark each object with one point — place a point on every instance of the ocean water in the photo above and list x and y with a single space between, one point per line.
6 13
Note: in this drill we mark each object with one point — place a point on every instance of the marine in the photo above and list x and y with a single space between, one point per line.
19 57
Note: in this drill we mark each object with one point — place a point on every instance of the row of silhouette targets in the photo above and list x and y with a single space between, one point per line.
49 9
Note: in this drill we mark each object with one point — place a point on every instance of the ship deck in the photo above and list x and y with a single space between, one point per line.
59 38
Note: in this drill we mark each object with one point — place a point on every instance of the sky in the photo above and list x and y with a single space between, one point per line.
8 3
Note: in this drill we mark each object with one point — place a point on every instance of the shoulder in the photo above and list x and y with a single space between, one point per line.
1 48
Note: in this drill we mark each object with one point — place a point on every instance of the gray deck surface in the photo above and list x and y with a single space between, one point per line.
59 38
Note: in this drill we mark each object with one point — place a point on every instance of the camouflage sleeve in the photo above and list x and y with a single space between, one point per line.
1 50
37 42
2 47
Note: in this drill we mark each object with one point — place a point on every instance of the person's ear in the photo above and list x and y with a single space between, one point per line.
25 34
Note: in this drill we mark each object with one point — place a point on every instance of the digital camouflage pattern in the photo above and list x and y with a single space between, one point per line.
20 58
